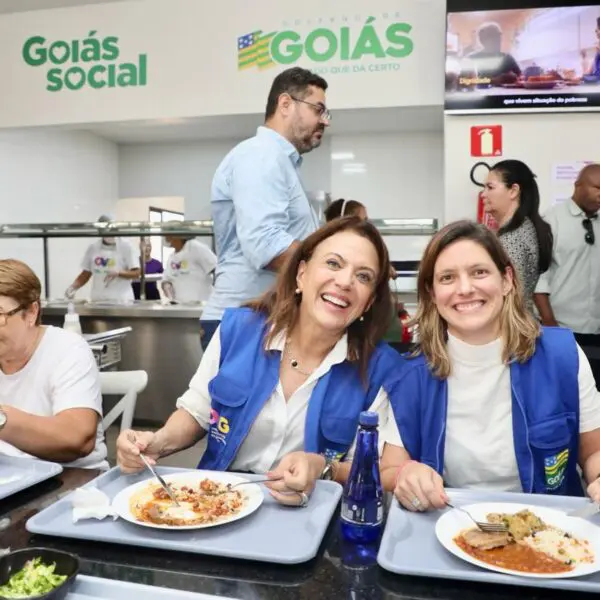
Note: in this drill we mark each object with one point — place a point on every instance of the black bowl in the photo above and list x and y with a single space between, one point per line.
66 564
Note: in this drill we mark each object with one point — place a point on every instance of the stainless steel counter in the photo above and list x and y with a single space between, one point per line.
164 342
139 309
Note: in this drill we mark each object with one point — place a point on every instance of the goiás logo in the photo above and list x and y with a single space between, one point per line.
348 43
92 61
555 468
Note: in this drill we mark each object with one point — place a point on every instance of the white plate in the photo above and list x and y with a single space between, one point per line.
451 523
252 492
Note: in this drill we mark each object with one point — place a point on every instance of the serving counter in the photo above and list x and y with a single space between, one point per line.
164 341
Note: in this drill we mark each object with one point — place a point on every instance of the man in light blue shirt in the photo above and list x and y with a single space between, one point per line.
259 208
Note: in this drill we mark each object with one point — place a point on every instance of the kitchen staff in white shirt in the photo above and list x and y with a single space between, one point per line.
111 263
328 311
50 400
189 272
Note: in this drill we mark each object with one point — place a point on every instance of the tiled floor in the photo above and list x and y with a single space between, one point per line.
186 458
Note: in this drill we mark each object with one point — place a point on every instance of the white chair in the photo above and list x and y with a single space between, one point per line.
128 383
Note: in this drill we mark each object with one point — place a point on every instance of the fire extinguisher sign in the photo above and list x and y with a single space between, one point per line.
486 140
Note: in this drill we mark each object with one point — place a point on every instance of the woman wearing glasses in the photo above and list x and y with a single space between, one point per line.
490 400
50 402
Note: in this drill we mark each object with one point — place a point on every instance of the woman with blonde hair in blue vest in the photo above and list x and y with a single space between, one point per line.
490 399
283 382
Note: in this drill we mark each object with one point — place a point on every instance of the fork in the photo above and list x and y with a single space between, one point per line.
230 486
487 527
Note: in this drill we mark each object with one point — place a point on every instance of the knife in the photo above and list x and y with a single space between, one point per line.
588 510
162 482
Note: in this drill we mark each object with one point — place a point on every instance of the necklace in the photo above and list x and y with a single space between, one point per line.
294 362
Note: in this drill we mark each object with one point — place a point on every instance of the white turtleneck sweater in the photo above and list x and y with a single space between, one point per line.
479 450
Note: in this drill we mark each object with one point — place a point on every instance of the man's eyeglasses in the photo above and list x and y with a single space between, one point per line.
590 236
4 315
322 111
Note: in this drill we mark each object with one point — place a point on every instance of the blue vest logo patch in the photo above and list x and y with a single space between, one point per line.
555 468
219 426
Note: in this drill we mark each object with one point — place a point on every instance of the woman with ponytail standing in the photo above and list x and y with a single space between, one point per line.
345 208
512 197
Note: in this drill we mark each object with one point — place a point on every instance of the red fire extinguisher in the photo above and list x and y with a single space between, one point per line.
404 317
482 216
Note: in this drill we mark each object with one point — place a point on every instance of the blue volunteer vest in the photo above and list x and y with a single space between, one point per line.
248 376
545 414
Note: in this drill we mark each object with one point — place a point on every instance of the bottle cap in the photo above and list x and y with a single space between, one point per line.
369 419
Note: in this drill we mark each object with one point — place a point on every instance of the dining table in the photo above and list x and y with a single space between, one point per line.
339 570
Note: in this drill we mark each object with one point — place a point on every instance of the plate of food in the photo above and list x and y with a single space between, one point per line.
539 83
540 542
206 499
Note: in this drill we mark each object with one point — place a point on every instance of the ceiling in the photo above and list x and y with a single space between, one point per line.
382 120
12 6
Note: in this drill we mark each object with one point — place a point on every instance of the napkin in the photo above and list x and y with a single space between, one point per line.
91 503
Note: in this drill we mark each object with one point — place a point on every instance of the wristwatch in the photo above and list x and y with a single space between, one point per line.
3 418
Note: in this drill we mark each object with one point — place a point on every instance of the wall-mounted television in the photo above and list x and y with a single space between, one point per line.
518 55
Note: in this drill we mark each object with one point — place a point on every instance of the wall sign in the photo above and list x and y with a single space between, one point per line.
93 61
486 140
345 44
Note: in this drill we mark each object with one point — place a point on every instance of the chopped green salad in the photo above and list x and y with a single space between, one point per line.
34 579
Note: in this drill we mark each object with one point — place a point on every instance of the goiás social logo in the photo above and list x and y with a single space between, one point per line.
94 62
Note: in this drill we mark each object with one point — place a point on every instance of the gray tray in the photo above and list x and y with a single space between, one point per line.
271 534
29 470
95 588
410 546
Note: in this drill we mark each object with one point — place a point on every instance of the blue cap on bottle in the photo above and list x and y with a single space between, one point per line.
368 419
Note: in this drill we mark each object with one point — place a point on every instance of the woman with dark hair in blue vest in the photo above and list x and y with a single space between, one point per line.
490 399
281 386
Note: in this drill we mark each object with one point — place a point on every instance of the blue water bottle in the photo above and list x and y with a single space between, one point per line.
362 502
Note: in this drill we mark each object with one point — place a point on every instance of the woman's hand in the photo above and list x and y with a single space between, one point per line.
420 488
593 490
298 472
129 445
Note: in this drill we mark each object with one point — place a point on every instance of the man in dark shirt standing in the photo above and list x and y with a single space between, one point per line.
491 63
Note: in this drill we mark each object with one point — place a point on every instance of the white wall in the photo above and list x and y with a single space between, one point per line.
138 209
401 176
540 140
50 177
186 169
396 175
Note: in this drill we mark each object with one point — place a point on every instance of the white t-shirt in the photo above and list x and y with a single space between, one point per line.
189 272
61 374
100 259
279 427
479 451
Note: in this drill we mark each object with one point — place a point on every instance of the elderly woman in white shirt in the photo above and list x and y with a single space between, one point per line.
282 384
490 400
50 401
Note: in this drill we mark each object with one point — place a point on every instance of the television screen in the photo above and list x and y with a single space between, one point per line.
503 58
